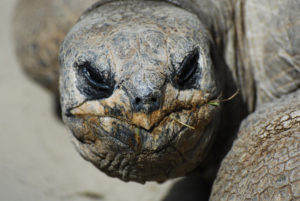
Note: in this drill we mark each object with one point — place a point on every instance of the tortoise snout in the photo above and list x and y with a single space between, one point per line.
146 100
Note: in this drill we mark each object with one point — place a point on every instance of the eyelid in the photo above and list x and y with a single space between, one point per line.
187 58
99 85
92 81
188 67
92 75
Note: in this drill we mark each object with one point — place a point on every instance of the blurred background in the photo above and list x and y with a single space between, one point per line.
38 161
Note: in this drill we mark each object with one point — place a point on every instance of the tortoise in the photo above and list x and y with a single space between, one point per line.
158 89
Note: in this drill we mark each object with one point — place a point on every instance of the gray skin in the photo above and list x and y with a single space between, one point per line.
144 84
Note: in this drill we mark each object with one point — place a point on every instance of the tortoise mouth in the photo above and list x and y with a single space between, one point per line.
139 131
137 137
162 132
149 129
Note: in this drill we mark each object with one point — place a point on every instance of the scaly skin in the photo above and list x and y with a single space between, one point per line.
264 161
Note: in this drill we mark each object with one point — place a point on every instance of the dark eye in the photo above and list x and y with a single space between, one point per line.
93 76
92 83
185 78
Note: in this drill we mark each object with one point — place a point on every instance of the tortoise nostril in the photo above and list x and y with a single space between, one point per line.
147 103
137 100
149 100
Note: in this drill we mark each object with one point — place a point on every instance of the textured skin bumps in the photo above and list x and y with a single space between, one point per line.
264 162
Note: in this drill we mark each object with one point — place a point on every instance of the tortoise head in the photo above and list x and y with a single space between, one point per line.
136 79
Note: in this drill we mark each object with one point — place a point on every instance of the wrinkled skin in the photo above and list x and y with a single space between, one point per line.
150 123
144 85
137 82
138 79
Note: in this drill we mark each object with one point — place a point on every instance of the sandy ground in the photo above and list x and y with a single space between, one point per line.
37 160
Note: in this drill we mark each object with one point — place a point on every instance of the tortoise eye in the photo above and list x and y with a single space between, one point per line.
93 77
186 75
92 83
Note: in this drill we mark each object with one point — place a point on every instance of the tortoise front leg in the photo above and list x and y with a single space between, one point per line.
264 162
